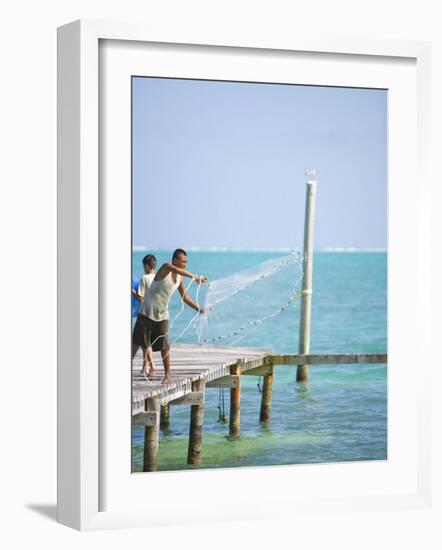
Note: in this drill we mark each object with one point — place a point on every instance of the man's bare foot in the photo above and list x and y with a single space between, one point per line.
146 372
167 380
145 377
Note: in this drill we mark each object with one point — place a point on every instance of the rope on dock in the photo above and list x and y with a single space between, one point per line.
222 417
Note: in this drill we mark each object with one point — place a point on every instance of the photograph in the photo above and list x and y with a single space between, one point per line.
232 217
259 274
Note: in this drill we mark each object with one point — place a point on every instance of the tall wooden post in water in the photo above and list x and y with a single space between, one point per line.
307 279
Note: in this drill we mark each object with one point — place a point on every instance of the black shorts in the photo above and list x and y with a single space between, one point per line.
151 333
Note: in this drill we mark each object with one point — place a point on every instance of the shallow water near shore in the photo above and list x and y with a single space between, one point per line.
339 415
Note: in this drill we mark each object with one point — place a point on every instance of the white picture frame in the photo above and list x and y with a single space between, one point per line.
80 208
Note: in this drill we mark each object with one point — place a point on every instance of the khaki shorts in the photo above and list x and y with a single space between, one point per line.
151 333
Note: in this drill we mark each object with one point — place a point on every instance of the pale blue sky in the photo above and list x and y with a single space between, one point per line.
221 164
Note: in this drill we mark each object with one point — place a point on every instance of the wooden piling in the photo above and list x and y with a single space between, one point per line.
266 398
196 426
235 398
151 437
307 279
164 417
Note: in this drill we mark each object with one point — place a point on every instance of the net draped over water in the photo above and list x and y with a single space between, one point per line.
247 299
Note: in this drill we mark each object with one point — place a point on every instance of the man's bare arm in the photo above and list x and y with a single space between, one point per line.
170 267
188 300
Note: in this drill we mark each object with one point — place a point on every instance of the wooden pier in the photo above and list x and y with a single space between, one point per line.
194 368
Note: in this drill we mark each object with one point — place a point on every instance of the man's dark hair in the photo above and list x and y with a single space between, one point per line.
149 260
179 252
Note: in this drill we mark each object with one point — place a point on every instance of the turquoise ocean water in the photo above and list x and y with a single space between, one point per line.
340 415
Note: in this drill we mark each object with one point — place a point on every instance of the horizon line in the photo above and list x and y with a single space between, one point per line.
139 248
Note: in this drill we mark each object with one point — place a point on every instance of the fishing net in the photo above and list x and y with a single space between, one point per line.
239 303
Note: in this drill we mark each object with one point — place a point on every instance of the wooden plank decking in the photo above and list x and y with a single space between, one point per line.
189 363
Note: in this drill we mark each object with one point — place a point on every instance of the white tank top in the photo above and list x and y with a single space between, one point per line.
157 298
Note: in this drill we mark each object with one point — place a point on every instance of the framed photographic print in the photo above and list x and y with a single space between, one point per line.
234 257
